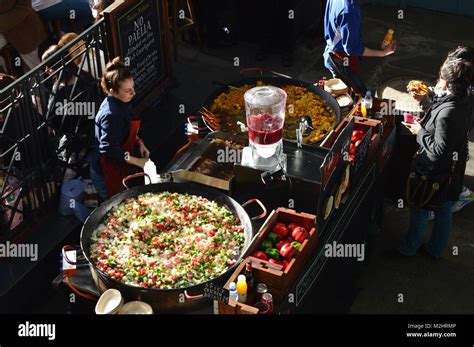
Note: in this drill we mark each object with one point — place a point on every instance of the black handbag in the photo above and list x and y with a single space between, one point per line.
425 190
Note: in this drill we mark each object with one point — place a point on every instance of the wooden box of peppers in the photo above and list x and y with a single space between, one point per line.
278 254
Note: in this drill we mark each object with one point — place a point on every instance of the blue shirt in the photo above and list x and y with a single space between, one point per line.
343 17
112 127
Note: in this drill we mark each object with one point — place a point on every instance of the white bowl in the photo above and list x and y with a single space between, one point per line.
109 302
136 307
335 86
345 100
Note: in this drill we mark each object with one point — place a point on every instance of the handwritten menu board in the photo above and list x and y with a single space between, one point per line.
141 46
140 40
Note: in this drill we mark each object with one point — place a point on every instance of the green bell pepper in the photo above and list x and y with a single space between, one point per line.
296 244
267 244
273 253
273 237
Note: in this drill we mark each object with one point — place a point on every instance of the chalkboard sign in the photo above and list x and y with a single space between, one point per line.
138 32
217 293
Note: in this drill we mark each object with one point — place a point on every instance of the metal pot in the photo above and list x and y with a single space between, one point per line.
280 81
166 300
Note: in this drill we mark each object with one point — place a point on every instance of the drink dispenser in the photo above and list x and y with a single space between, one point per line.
265 111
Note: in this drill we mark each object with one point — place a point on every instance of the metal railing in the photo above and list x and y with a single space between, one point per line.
46 127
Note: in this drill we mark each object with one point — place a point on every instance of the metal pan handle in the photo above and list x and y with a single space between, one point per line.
139 174
258 69
279 74
262 206
193 297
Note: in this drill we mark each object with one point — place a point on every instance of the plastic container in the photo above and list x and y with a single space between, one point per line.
233 292
265 111
368 101
242 289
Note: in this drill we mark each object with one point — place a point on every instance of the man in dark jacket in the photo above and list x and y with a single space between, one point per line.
442 136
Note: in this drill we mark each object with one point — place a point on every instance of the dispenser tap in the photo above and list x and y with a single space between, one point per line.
305 124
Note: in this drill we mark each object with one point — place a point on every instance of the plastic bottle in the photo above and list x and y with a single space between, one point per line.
368 102
387 40
363 109
242 288
233 292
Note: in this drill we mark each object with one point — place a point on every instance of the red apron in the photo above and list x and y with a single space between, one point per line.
354 61
114 172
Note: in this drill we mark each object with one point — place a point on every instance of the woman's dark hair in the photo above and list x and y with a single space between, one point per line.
463 52
115 73
458 72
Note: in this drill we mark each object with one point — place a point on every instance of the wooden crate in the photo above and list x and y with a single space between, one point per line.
363 124
235 307
278 281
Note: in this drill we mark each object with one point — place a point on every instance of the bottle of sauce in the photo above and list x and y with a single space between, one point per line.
368 101
363 109
242 289
387 40
249 275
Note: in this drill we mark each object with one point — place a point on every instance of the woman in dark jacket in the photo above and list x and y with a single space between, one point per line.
442 136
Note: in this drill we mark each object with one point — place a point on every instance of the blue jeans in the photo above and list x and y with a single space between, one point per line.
443 223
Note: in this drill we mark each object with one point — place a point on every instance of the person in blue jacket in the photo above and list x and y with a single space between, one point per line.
116 133
342 32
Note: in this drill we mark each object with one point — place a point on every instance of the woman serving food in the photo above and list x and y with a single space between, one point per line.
116 133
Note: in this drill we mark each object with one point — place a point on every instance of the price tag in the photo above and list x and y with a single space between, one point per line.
216 293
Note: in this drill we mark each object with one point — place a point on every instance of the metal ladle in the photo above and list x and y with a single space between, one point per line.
306 123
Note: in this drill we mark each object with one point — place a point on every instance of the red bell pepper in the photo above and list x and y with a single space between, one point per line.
285 265
288 251
300 234
260 255
281 230
291 226
357 135
280 244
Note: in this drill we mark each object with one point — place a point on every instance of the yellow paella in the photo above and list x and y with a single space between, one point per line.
228 109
